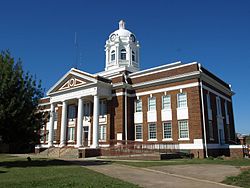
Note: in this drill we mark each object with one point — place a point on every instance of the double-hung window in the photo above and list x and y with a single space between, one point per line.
102 132
151 103
167 130
211 130
138 105
103 107
72 112
166 102
71 134
138 131
182 100
183 129
152 131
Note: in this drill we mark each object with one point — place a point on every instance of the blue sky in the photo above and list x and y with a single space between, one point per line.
214 33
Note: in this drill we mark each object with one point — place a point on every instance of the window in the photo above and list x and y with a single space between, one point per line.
138 105
166 102
54 135
112 55
103 107
183 129
151 104
218 104
208 102
86 109
152 131
102 132
72 112
71 133
211 131
167 130
42 135
46 135
182 100
138 131
123 54
133 56
55 116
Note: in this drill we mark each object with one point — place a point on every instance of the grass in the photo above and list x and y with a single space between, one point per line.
19 172
242 180
233 162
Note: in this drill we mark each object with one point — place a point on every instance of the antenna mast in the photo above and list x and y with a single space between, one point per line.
76 51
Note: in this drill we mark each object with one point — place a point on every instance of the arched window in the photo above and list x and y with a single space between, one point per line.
112 55
123 54
133 56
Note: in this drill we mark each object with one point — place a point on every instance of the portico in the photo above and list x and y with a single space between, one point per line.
79 95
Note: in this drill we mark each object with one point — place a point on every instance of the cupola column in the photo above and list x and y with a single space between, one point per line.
117 52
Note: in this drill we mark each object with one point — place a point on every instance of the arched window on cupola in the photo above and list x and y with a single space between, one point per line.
133 56
123 54
112 55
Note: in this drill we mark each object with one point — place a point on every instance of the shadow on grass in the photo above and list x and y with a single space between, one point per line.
45 163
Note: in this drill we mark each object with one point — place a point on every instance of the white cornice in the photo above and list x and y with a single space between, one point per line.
171 78
158 69
216 84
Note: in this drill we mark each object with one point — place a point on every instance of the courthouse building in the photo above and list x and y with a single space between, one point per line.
176 103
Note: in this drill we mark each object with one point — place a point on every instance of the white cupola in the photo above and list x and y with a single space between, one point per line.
122 49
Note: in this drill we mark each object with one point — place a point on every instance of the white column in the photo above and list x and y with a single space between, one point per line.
51 124
95 122
63 124
117 54
79 123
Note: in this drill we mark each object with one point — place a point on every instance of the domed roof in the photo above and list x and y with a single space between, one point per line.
122 32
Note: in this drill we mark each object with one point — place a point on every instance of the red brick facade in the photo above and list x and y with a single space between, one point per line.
179 79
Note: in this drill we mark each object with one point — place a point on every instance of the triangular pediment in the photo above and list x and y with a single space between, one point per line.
72 82
73 79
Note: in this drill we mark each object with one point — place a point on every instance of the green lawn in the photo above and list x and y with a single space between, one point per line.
242 180
18 172
233 162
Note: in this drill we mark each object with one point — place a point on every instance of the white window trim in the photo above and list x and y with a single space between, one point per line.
178 101
136 104
188 138
68 135
162 103
167 139
149 105
152 139
100 133
141 132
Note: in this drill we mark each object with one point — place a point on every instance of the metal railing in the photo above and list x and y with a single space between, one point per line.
122 147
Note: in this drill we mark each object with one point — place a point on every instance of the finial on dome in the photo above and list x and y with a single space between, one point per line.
121 24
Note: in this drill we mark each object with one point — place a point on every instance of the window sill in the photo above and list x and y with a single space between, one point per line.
167 139
138 140
182 108
152 140
183 139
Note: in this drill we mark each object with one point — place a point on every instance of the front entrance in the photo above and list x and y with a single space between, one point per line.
85 135
86 123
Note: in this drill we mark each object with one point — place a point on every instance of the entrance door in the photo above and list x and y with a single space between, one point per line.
86 123
85 135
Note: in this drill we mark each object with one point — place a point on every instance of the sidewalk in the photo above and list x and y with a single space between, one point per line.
146 177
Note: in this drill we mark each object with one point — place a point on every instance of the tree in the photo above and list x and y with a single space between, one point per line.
20 120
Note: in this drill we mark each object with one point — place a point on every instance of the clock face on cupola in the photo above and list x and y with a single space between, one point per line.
122 49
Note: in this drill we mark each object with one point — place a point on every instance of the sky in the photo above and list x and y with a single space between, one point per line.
214 33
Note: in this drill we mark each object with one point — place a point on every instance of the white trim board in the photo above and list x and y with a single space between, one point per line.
161 68
215 92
